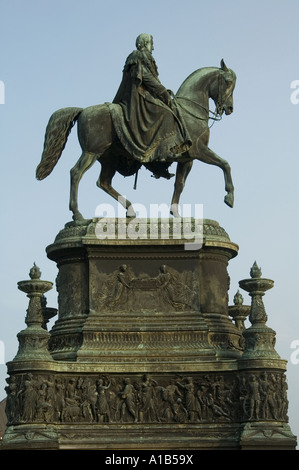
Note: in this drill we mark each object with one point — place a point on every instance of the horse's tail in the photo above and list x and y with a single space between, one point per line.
57 132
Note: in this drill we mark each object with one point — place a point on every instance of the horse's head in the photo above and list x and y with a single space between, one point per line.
221 90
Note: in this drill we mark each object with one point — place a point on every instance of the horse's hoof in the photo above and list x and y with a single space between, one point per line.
174 211
229 200
82 221
131 213
79 219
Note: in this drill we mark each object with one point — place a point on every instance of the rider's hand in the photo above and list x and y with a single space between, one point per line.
166 98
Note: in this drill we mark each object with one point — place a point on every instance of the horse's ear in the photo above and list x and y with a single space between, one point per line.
223 66
228 76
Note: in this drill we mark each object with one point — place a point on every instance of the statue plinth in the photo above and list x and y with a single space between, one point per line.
144 354
152 290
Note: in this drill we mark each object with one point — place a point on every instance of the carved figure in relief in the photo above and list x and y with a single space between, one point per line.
191 401
180 412
112 291
223 395
148 410
59 403
255 398
122 283
270 400
50 395
29 398
89 399
216 410
72 410
128 405
12 400
177 294
170 395
102 406
70 389
263 392
202 402
283 397
44 407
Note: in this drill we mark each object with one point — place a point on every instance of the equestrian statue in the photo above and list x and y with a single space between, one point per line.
145 125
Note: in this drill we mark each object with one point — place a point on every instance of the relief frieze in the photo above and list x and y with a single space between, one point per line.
136 398
123 290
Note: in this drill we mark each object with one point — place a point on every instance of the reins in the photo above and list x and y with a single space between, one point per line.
216 115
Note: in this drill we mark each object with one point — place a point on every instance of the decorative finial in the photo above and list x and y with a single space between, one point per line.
255 271
238 298
35 272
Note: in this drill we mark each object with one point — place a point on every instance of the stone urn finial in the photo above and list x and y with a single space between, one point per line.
256 286
238 298
255 271
35 289
33 340
35 272
259 338
238 311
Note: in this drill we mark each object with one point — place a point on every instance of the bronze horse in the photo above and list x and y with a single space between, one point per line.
98 140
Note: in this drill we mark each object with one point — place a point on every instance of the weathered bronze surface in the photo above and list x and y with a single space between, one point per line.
144 126
143 354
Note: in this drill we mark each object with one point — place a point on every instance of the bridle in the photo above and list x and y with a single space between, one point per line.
212 115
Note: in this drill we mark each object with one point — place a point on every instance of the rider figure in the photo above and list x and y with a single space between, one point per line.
146 72
150 129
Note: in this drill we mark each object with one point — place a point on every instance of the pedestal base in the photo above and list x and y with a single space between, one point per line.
144 354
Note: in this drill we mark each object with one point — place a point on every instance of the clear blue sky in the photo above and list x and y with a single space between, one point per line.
63 53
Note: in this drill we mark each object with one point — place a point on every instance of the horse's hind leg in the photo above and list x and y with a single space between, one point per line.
104 182
86 160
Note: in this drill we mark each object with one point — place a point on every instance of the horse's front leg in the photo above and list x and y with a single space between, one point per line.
182 171
208 156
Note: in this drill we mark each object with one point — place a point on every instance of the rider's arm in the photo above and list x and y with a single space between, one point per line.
154 86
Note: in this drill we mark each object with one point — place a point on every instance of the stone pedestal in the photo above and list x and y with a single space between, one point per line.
144 354
147 299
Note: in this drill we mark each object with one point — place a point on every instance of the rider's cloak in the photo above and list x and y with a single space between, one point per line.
148 128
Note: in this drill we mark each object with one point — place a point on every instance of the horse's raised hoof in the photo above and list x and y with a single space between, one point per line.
131 213
229 200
